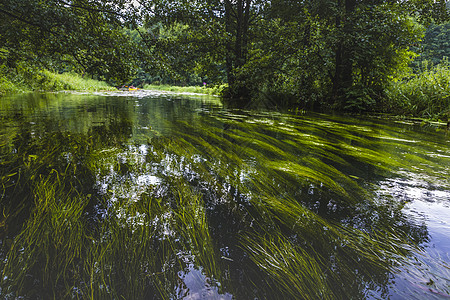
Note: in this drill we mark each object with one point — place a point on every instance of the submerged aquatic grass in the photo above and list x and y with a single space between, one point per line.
268 206
135 252
45 253
292 268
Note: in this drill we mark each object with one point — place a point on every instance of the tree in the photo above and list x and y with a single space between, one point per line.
332 53
428 12
435 46
215 34
372 46
328 53
84 34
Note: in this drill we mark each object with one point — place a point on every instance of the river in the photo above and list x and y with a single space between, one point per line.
154 195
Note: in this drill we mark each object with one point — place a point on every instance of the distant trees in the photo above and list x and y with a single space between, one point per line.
436 44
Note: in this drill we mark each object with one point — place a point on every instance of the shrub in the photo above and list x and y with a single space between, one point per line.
426 94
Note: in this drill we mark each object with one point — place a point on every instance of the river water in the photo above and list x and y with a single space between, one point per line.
154 195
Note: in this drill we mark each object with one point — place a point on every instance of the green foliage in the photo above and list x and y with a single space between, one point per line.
435 47
328 54
428 11
425 95
323 54
79 36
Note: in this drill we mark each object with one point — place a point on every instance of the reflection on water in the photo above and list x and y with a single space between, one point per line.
195 285
427 273
154 195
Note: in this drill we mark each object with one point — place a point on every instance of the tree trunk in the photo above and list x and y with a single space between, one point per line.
343 77
229 47
237 18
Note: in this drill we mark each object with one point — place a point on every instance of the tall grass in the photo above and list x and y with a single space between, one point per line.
424 95
50 81
26 78
6 86
9 83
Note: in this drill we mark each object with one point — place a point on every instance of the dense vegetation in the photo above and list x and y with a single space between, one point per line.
130 196
345 55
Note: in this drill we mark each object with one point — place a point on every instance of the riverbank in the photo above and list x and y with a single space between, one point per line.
26 80
425 94
214 90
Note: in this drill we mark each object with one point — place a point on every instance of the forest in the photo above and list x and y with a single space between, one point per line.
354 56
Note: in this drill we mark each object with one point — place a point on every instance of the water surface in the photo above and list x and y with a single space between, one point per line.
142 195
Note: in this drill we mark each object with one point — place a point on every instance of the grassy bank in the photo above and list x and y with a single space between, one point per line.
215 90
424 95
25 79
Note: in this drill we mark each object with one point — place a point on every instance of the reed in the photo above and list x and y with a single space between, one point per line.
425 94
70 81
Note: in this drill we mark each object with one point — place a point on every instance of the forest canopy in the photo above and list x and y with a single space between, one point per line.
321 54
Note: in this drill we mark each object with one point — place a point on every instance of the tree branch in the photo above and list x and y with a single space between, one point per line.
21 19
